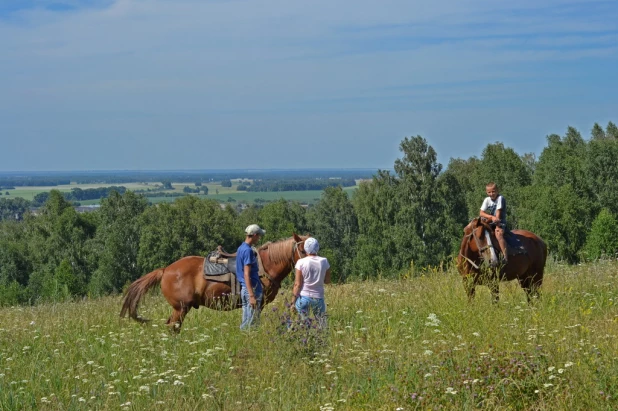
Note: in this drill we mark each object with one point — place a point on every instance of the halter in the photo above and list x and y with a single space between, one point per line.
296 250
478 245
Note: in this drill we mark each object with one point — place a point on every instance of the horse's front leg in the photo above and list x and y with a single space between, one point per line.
469 283
494 287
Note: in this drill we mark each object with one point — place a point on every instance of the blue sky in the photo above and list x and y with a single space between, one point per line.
195 84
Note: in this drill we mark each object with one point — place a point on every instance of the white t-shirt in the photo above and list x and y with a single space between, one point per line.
490 206
314 270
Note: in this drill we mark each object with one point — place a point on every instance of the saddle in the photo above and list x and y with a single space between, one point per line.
514 246
222 270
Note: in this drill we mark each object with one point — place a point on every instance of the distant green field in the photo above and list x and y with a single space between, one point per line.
29 192
215 192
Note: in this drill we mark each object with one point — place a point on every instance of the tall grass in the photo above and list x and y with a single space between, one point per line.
395 344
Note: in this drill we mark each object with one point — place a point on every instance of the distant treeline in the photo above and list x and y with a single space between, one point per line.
12 182
78 194
120 177
397 222
295 185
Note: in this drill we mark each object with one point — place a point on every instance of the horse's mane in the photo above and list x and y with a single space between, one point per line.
280 251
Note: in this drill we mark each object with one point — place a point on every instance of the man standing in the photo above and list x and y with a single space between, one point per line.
247 272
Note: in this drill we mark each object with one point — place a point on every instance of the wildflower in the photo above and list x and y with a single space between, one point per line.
433 320
178 382
476 334
428 352
428 375
568 364
81 399
450 390
144 388
550 369
548 385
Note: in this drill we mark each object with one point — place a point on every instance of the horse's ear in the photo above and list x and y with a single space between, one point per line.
297 238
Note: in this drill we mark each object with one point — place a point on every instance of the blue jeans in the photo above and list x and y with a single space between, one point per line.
317 306
250 316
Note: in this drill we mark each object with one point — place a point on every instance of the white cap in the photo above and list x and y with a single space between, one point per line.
312 246
254 229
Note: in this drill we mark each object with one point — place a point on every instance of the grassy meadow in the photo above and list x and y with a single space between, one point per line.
411 343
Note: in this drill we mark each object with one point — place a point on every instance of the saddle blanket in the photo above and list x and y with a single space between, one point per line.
514 245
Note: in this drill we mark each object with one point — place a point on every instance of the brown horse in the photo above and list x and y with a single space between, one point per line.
184 286
477 261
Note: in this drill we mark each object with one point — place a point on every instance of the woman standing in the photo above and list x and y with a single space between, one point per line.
312 272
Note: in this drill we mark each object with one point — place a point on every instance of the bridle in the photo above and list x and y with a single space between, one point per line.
481 249
296 250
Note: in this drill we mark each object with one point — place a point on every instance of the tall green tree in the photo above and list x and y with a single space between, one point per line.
406 218
333 222
59 234
597 132
559 216
282 218
376 203
13 208
601 166
611 131
602 239
189 226
118 238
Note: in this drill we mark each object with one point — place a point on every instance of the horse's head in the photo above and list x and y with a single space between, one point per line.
299 247
477 244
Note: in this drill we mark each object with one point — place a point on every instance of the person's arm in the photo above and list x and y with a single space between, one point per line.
327 277
224 253
298 285
489 216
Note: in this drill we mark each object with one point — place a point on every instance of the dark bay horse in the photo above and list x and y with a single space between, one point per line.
184 286
478 259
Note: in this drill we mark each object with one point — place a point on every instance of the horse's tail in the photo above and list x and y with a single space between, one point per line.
136 291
